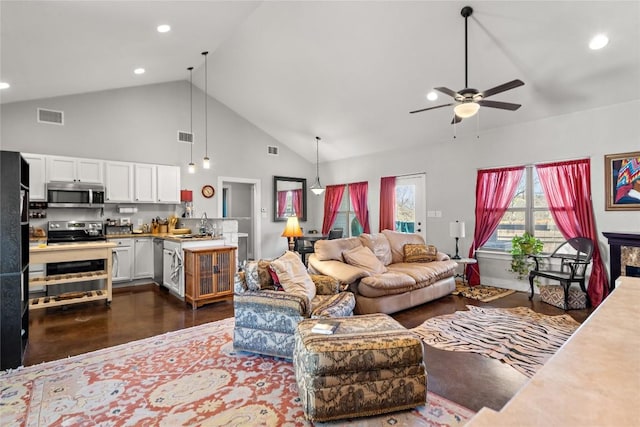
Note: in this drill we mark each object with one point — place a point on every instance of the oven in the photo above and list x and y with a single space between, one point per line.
68 232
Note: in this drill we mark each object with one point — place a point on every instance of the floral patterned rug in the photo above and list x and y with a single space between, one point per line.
190 377
481 292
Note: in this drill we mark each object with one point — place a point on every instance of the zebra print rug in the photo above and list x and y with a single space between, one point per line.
517 336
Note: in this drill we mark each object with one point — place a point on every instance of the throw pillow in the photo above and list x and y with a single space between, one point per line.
420 253
293 275
363 257
251 276
276 281
397 240
264 276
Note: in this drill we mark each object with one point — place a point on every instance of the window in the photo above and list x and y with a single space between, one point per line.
528 211
346 218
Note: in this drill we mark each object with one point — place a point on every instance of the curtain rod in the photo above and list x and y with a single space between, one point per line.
534 164
409 174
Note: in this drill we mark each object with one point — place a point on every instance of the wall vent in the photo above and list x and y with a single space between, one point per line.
51 117
185 137
272 150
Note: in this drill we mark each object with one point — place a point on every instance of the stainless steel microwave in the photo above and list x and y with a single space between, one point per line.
75 195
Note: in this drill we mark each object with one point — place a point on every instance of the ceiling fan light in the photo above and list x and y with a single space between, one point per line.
466 109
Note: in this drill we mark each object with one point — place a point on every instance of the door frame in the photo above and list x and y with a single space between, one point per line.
256 203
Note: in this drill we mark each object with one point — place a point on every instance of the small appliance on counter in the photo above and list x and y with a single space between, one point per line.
114 227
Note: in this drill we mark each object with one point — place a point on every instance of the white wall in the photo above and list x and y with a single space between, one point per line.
139 124
451 167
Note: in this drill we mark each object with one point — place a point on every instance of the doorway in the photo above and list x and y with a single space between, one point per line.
411 204
240 199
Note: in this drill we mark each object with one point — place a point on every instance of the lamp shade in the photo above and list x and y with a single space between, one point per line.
456 229
292 229
466 109
186 196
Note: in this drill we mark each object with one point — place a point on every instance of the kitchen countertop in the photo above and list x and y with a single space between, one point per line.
166 236
71 246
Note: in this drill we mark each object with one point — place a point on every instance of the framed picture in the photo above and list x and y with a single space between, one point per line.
622 181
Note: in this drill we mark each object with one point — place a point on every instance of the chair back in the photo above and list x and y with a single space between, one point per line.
336 233
577 249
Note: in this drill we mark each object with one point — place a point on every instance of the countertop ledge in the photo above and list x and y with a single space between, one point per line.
165 236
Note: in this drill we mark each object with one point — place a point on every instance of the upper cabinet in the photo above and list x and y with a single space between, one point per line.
71 169
37 176
119 182
168 184
145 183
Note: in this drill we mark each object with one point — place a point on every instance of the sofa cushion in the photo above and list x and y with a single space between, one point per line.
337 305
397 241
345 273
293 275
333 249
420 253
362 257
379 245
426 273
390 280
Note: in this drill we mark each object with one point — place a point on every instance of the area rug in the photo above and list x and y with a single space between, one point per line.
190 377
517 336
481 292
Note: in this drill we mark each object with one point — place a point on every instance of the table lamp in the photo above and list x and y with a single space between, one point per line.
456 230
291 230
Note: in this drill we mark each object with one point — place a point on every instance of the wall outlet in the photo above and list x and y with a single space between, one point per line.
438 214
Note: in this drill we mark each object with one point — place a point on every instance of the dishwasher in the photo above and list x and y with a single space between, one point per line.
158 247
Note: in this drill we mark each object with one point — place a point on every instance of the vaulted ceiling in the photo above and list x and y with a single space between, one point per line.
347 71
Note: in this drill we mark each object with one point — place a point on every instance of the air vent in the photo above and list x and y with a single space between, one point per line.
51 117
186 137
272 150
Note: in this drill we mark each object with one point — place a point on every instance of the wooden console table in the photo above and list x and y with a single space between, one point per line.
592 378
72 252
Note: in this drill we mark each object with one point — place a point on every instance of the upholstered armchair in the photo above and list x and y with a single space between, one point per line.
266 318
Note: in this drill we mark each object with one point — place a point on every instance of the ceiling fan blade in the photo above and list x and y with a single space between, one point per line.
430 108
447 91
501 105
456 119
503 87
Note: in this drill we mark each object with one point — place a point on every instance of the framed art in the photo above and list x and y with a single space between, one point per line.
622 181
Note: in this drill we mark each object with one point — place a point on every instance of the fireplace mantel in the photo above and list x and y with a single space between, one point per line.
616 242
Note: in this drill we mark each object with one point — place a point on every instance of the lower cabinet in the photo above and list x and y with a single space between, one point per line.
143 258
122 260
209 274
172 272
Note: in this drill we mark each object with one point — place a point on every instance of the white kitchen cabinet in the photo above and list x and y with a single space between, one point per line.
118 182
145 183
37 176
143 257
172 268
72 169
168 184
122 260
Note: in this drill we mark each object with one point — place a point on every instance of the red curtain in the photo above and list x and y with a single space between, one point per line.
567 188
282 203
495 189
296 201
332 198
387 203
358 195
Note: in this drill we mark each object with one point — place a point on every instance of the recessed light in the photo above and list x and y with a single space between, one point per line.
432 96
598 42
164 28
139 71
4 85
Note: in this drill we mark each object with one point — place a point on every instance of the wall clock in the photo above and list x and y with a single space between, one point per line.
208 191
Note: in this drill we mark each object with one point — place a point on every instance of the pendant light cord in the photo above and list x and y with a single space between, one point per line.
191 108
206 101
317 166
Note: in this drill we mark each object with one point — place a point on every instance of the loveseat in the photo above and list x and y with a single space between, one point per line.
267 312
387 272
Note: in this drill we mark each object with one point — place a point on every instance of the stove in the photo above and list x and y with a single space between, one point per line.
61 232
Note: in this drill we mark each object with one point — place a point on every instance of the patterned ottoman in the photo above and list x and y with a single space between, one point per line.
554 295
370 365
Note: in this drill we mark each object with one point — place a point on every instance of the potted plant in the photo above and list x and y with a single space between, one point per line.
521 248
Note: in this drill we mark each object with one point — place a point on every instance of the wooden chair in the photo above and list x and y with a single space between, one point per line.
575 256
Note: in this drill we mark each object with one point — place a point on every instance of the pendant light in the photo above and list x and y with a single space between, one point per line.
192 166
206 163
317 187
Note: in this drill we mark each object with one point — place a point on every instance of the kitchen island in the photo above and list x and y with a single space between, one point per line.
44 254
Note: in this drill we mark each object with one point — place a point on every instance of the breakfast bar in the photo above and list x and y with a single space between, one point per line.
45 254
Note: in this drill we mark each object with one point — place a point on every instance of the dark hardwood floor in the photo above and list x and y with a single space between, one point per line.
142 311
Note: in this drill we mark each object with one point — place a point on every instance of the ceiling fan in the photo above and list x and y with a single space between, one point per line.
468 100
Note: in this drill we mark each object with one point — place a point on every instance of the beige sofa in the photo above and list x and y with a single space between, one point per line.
403 272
